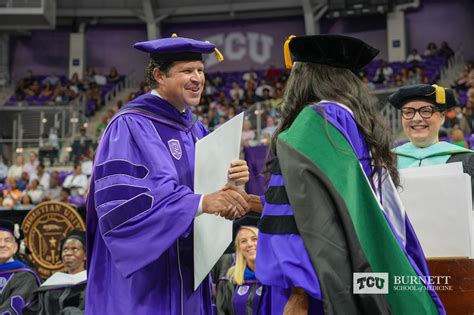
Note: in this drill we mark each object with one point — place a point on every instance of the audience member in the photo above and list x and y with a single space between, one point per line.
52 79
457 138
431 50
35 192
43 177
113 76
99 78
81 145
260 90
236 93
28 79
270 128
86 162
248 135
456 119
3 170
89 75
65 297
15 171
47 90
34 89
54 190
240 292
414 57
445 50
30 166
77 182
101 126
277 98
250 75
23 181
11 196
272 74
218 80
48 147
383 74
64 195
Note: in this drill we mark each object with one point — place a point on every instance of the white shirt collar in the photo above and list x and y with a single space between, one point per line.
155 92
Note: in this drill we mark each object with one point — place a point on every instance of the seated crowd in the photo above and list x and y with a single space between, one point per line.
22 291
24 185
417 69
59 90
256 93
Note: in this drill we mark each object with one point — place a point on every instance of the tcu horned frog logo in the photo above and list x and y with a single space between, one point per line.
175 148
45 226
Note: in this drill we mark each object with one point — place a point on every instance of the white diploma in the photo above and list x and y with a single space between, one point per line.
214 154
438 202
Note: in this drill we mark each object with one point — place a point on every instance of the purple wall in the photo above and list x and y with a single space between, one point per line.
43 52
438 21
112 46
245 44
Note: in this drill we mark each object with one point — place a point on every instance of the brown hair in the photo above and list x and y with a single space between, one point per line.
309 83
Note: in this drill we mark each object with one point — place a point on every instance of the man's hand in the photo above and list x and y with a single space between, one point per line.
229 204
239 172
254 201
297 303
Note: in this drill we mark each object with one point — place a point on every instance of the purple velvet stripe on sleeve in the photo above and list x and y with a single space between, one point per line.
118 192
124 212
119 167
282 259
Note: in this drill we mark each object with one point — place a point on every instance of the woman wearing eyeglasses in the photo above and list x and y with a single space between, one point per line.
423 107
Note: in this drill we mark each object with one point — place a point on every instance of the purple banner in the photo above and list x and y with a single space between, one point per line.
244 44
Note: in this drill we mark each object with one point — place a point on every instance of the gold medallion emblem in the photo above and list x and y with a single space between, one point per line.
44 227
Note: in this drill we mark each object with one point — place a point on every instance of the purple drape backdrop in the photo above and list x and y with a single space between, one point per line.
254 43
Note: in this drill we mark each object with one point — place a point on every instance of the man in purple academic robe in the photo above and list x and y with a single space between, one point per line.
141 203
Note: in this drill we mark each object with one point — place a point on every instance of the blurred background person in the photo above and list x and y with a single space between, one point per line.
240 292
66 296
18 281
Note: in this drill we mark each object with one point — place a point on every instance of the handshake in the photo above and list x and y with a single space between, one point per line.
230 202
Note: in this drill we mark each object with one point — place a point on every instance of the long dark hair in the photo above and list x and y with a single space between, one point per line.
309 83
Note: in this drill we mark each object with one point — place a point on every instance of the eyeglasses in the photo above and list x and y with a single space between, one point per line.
425 112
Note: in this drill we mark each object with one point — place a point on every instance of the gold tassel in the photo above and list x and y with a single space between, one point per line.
440 94
174 35
286 52
219 55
